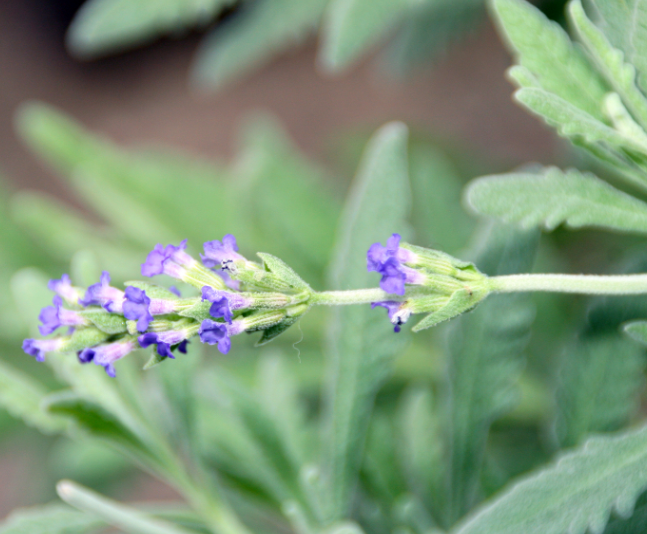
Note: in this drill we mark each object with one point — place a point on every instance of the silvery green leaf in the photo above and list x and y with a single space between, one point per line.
275 331
572 122
552 197
620 74
199 311
484 363
598 387
21 396
110 323
123 517
103 27
637 330
50 519
362 343
350 27
262 29
576 494
282 270
154 360
461 301
545 49
634 524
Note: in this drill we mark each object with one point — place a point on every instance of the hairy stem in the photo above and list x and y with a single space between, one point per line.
629 284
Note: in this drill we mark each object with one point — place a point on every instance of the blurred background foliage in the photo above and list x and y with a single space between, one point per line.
277 199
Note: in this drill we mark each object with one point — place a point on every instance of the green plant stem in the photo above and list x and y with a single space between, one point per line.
628 284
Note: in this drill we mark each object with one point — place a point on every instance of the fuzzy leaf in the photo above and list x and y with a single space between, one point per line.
610 61
103 27
275 331
362 344
123 517
545 49
553 197
598 388
49 519
261 30
352 26
21 396
576 493
109 323
485 360
283 271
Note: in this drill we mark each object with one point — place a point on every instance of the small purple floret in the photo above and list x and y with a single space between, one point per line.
64 288
39 347
388 261
106 355
214 333
164 341
216 252
392 308
169 260
224 303
137 307
55 316
103 294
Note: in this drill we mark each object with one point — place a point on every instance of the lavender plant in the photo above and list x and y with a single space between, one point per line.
249 458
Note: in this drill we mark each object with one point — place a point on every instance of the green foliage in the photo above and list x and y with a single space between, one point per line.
50 519
528 199
598 386
576 493
377 206
484 362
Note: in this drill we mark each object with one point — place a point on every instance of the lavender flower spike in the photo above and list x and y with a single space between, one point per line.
39 347
106 355
224 302
64 288
55 316
103 294
214 333
137 307
219 253
169 260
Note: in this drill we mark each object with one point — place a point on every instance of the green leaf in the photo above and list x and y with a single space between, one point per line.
436 187
635 524
116 514
460 302
49 519
21 396
610 61
103 27
545 49
263 29
637 330
283 271
553 197
362 345
100 423
485 360
572 122
421 446
275 331
598 386
109 323
576 493
350 27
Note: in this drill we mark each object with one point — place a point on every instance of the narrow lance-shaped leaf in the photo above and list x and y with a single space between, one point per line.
351 26
485 360
553 197
103 27
546 50
362 344
50 519
598 387
610 60
576 493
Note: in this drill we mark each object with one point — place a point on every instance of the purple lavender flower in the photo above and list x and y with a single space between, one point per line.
214 333
175 291
169 260
103 294
388 261
39 347
64 288
218 253
224 302
106 355
397 315
164 341
136 307
228 280
55 316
